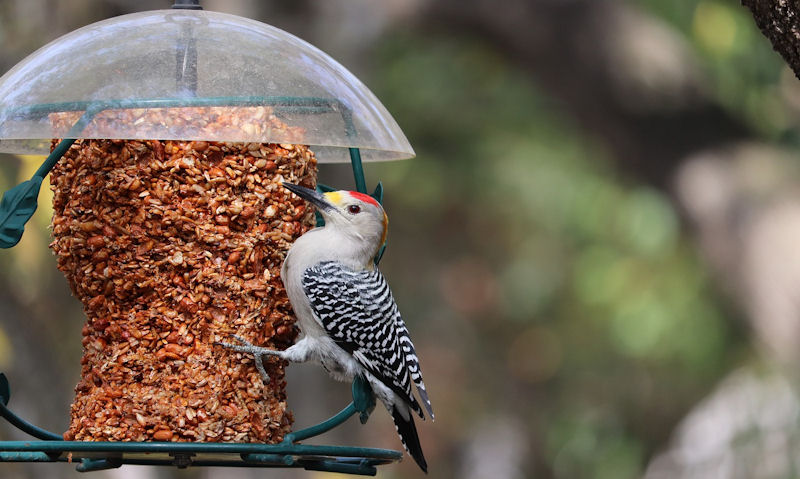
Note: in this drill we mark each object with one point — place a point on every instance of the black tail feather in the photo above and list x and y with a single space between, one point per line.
408 435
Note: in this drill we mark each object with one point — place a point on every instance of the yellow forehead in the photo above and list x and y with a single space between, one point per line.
334 197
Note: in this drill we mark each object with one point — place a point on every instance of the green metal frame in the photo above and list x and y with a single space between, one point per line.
16 208
93 456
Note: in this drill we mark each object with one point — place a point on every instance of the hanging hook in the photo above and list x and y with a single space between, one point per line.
187 5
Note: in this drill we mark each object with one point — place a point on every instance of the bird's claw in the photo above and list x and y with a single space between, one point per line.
246 346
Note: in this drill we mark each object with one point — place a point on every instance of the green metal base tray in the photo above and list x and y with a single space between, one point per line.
94 456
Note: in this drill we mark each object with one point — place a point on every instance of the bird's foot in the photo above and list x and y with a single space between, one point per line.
259 352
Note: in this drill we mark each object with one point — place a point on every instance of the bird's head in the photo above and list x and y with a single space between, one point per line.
352 213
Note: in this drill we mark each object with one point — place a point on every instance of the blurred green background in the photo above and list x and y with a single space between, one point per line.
595 249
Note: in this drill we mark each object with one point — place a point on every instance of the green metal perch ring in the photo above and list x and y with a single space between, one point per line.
94 456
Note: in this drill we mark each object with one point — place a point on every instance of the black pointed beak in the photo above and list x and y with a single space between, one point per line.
312 196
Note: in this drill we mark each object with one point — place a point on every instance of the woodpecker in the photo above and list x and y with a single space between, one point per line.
348 318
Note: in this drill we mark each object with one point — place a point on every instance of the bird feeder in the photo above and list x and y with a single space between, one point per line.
168 134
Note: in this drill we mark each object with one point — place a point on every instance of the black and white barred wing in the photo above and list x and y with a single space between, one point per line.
358 311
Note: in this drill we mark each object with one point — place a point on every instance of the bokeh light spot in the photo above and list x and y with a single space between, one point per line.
714 27
535 355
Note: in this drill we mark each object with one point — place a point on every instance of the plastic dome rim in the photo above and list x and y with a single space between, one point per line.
374 130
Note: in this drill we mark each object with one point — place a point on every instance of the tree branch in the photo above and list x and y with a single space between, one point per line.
780 22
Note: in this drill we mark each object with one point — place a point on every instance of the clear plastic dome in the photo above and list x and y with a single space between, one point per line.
192 75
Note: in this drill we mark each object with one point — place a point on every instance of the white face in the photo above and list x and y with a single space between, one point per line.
363 215
354 214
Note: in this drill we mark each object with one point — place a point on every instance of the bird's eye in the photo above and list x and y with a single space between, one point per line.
354 209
